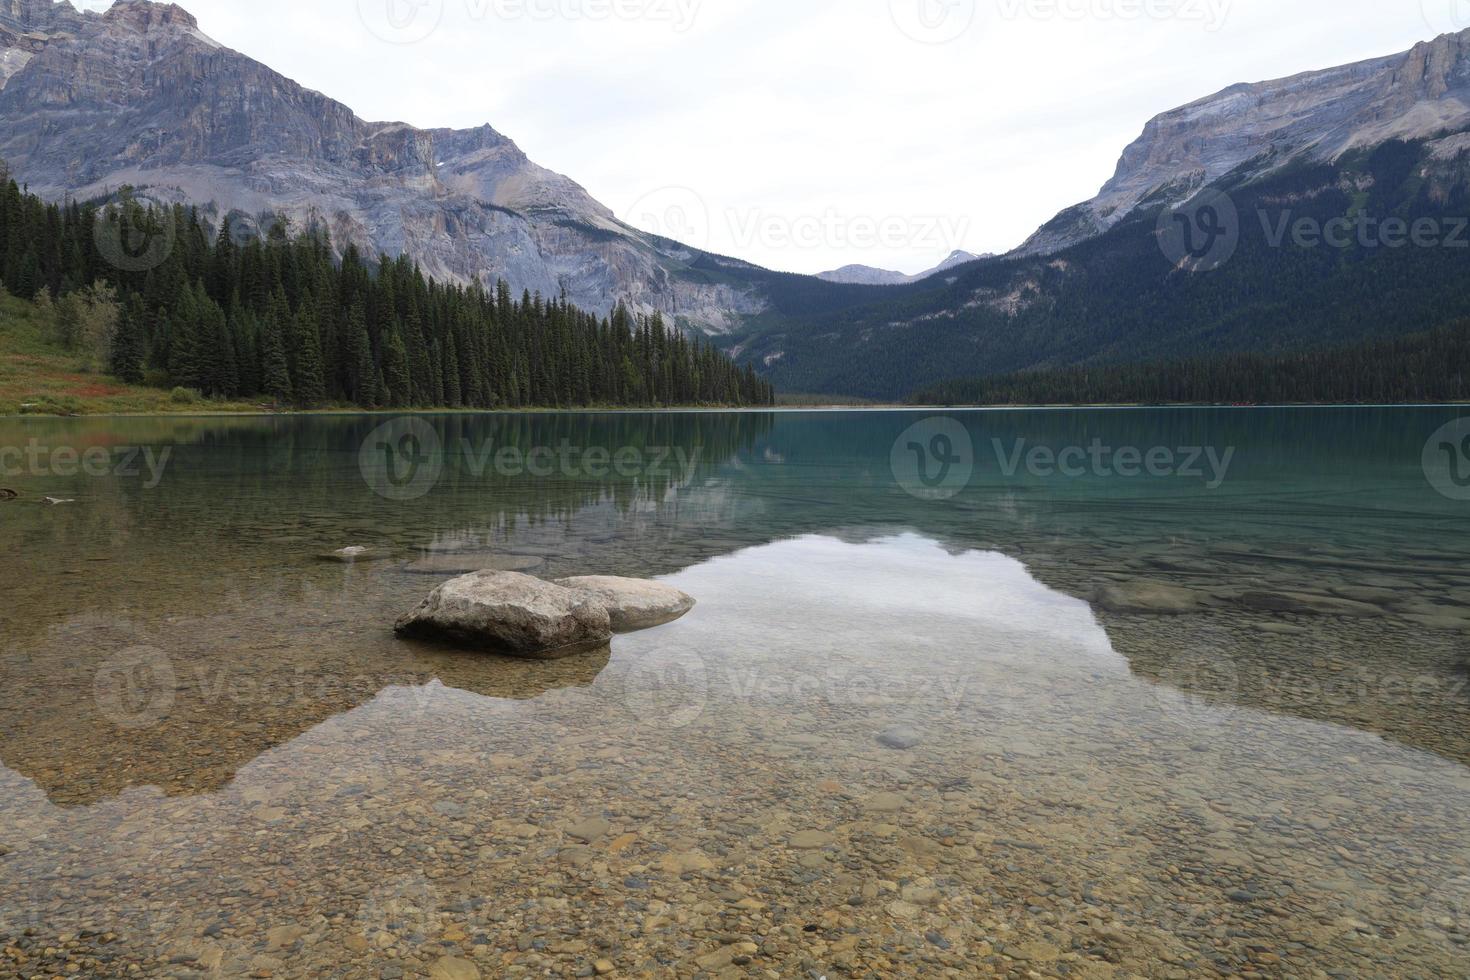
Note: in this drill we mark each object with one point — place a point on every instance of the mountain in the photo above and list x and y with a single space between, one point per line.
866 275
139 96
1356 148
1266 127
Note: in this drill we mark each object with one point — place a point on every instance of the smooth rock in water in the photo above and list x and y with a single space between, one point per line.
807 840
7 494
590 830
1306 604
466 564
350 556
633 604
512 614
1155 598
899 737
885 803
453 968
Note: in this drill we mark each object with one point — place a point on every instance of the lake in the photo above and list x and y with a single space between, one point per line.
1059 693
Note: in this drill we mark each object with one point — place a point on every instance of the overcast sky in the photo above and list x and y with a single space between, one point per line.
808 134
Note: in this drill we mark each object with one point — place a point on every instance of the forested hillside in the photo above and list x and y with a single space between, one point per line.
162 296
1417 368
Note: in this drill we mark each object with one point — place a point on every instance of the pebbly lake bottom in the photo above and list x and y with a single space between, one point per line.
910 743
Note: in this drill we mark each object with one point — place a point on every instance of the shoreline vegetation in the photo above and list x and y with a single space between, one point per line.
127 307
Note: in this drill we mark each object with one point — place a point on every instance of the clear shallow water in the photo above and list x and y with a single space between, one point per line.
215 752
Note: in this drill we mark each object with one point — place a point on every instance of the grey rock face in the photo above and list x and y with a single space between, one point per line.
1317 116
633 604
140 96
511 614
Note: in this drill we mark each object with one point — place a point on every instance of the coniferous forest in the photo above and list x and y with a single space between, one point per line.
1428 367
160 296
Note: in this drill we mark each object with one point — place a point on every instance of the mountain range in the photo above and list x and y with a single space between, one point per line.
140 97
866 275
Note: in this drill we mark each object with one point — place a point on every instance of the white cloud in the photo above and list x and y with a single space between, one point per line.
787 116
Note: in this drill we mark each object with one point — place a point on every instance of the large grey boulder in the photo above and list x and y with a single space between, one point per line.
512 614
633 604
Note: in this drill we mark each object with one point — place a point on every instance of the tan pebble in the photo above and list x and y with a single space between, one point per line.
453 968
809 839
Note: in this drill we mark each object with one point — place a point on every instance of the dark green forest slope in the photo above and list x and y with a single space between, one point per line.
1433 366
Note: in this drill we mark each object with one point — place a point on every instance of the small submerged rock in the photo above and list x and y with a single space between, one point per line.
1307 604
466 564
354 554
633 604
1149 598
512 614
899 737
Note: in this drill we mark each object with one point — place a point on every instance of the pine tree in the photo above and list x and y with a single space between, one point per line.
274 370
126 359
307 381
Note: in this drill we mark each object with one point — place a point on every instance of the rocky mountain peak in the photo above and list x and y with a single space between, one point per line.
144 15
1323 114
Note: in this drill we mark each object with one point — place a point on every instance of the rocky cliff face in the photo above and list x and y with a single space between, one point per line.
140 96
1419 94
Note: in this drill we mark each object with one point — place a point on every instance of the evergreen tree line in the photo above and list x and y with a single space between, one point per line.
277 315
1433 366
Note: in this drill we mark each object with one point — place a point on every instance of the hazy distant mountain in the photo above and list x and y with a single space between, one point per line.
866 275
140 96
1387 139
